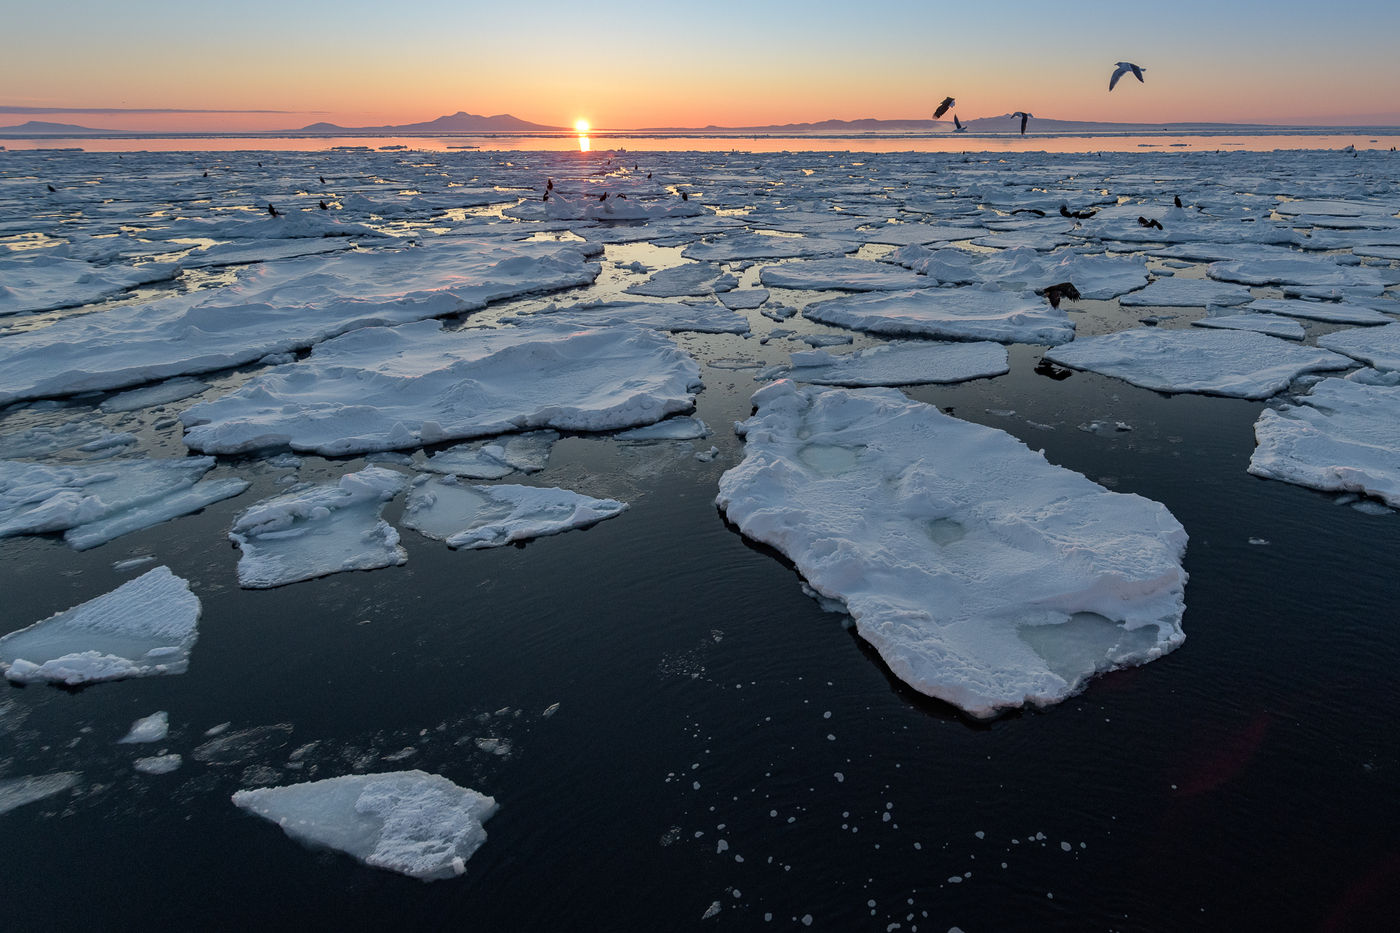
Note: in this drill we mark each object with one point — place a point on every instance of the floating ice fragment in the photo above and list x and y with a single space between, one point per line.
392 388
674 316
1377 346
144 627
684 428
857 275
16 792
526 453
491 516
983 575
952 314
158 764
418 824
319 530
152 728
901 362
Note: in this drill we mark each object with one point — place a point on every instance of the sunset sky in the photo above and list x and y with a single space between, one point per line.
628 64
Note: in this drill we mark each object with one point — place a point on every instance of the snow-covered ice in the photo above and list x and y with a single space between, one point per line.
386 388
982 574
856 275
1375 346
700 317
1270 324
734 247
158 764
145 626
418 824
276 308
1333 312
1238 364
692 278
1343 436
684 428
899 362
491 516
952 314
1178 292
319 530
94 503
43 282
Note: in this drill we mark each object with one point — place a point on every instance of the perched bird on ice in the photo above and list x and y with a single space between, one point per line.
1024 117
943 107
957 125
1122 68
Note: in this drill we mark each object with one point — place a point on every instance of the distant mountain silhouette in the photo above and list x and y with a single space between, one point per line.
42 128
459 122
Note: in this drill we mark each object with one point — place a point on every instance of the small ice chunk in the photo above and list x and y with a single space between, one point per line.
901 362
490 516
493 459
319 530
158 764
162 393
152 728
16 792
673 316
144 627
418 824
683 428
692 278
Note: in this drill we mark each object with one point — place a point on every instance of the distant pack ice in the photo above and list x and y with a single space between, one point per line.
145 626
418 824
387 388
982 574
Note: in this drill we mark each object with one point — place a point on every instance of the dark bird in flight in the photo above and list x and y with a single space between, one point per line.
51 188
1081 215
957 125
323 178
603 196
943 107
323 206
1153 224
1177 199
1055 293
1029 210
1024 117
273 211
1122 68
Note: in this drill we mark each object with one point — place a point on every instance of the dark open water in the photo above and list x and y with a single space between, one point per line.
1248 781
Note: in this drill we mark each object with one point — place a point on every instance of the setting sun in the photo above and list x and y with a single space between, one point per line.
581 126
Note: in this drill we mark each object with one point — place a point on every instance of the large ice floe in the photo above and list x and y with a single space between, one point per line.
94 503
856 275
900 362
1376 346
418 824
950 313
1233 363
672 316
145 626
1178 292
1342 436
385 388
490 516
275 308
42 281
982 574
319 530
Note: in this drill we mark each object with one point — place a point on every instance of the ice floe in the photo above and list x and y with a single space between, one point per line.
1335 312
1238 364
94 503
275 308
319 530
1375 346
492 516
856 275
494 459
1343 436
158 764
1178 292
1270 324
899 362
387 388
733 247
982 574
954 314
418 824
692 278
684 428
144 627
45 282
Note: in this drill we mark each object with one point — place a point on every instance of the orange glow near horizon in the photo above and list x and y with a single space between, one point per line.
581 126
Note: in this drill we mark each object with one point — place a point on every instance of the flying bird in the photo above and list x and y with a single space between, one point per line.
957 125
943 107
1024 117
1122 68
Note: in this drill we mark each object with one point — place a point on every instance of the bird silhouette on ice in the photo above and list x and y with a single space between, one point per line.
958 125
1024 117
943 107
1122 68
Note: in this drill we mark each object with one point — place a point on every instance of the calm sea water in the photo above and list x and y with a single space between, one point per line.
721 739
